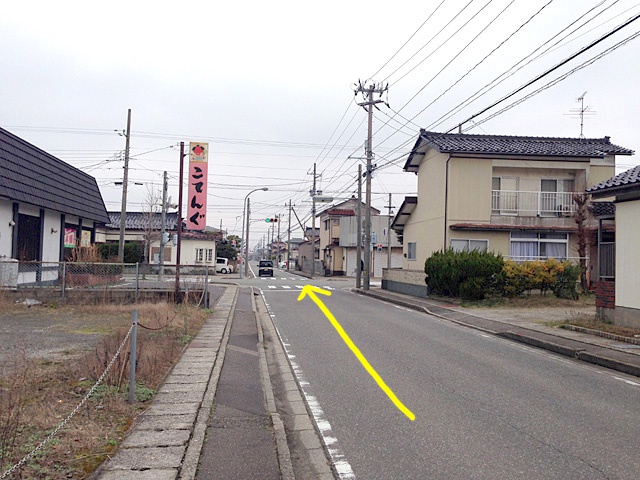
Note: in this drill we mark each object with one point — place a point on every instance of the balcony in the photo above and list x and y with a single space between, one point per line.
532 204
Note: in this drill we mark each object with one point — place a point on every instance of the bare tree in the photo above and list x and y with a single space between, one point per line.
151 208
580 217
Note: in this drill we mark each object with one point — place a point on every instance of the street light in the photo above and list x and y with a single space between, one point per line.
242 239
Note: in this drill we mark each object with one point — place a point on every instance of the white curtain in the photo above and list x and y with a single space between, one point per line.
524 250
556 250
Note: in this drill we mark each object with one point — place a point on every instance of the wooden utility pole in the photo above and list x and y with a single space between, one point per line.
125 183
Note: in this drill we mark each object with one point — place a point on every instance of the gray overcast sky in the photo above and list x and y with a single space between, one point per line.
270 86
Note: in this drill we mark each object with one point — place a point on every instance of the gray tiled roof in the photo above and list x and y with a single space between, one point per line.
515 146
625 180
501 144
32 176
141 220
603 209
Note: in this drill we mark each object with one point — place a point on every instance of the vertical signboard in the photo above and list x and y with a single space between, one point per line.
197 199
69 238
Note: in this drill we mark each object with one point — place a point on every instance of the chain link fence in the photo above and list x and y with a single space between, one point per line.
63 277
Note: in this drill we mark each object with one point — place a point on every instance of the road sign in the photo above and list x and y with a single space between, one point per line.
379 247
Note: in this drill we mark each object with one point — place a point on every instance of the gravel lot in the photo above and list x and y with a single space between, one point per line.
49 333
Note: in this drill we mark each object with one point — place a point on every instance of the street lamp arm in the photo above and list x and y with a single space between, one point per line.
242 239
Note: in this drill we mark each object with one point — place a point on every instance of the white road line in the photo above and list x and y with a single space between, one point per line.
286 286
272 286
628 382
299 286
327 287
339 460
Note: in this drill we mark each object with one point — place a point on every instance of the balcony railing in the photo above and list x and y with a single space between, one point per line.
541 204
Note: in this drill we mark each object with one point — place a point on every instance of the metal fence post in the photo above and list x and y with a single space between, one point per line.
206 287
132 359
137 279
64 277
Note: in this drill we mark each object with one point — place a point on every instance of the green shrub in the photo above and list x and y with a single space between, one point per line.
469 275
548 275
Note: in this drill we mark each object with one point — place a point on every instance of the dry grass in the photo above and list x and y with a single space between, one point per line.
36 395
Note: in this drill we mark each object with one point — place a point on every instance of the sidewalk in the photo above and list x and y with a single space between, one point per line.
607 351
216 417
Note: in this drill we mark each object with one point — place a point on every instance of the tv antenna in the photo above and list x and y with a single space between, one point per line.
582 112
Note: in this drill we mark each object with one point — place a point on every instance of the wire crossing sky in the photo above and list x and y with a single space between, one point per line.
273 92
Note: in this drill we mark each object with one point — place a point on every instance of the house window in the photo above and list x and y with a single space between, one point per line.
504 195
411 250
209 255
556 197
199 255
326 224
469 245
534 246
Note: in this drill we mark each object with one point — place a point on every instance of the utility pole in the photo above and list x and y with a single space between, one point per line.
246 256
125 183
359 230
179 246
313 192
389 207
278 256
369 102
289 239
163 227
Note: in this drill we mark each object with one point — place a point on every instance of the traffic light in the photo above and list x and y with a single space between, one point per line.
271 220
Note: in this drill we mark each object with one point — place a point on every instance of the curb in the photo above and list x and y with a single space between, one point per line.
575 352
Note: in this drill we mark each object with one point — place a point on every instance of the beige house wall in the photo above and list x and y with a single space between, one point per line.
627 256
469 191
426 224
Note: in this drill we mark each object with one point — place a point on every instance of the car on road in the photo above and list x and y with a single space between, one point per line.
283 265
265 268
223 265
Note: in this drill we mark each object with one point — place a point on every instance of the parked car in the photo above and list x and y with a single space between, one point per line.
283 265
265 268
223 265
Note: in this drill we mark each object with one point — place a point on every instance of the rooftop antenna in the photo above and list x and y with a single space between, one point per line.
582 112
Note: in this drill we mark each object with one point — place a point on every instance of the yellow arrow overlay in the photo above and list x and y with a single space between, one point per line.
311 291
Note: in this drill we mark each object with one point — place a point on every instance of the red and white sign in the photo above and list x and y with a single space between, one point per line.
197 199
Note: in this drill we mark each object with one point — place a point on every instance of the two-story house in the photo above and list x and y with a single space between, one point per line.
507 194
338 239
333 254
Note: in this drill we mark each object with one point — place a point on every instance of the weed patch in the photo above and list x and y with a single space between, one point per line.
38 394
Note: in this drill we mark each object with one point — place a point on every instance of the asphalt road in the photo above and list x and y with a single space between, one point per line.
485 408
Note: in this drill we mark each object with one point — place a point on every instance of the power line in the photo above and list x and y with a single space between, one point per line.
556 66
